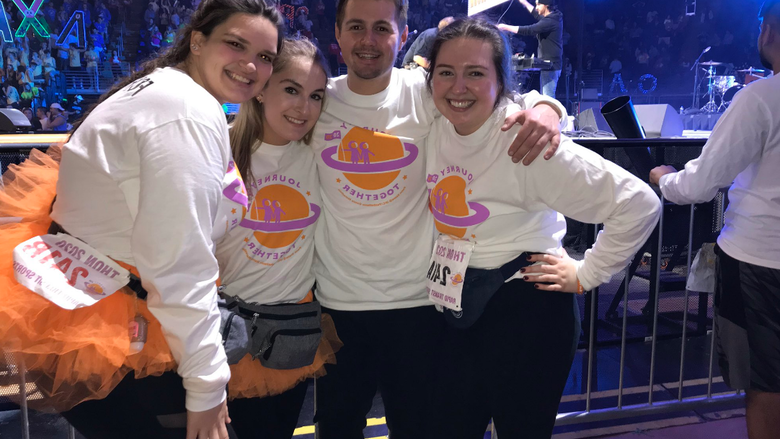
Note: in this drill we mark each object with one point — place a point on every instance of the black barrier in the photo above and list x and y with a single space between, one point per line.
16 154
621 117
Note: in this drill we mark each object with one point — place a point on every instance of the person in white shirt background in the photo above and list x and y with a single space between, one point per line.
262 263
154 192
374 237
744 152
512 362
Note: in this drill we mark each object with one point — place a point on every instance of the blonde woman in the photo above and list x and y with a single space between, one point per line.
267 260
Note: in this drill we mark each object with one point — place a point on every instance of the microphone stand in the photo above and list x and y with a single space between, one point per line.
694 105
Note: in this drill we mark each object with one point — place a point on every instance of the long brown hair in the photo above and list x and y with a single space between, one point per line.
210 14
247 128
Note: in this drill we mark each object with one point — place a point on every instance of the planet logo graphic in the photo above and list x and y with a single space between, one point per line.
94 288
278 216
456 280
370 160
235 191
451 213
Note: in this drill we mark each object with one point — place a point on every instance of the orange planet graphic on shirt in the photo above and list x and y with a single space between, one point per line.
275 206
370 160
451 212
449 197
236 190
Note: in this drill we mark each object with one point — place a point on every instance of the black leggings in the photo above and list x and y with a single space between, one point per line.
149 408
272 417
511 365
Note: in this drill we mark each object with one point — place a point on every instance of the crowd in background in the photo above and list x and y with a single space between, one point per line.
161 21
32 66
658 38
631 38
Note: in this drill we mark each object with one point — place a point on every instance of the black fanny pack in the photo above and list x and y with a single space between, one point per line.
284 336
479 286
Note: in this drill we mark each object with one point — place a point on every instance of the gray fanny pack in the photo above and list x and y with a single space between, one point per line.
284 336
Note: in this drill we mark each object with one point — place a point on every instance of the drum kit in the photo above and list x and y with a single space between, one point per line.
721 88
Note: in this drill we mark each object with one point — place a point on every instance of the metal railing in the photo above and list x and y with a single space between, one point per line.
94 80
662 150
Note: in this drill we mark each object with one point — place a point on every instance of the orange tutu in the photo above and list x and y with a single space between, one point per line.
249 379
70 356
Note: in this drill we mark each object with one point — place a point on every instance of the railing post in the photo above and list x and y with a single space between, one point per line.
591 338
23 400
657 262
626 282
685 311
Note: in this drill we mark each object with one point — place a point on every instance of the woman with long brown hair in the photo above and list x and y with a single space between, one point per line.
147 181
265 263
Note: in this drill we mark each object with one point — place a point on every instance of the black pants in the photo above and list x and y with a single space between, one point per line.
393 351
272 417
511 365
149 408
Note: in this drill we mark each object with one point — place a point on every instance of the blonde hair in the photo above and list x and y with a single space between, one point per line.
446 21
247 128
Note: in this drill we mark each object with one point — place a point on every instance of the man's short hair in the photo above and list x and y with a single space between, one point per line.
444 22
401 11
770 9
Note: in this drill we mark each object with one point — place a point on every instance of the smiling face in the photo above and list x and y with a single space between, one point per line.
465 83
292 101
370 39
235 61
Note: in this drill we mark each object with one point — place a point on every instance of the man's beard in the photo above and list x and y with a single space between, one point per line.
368 74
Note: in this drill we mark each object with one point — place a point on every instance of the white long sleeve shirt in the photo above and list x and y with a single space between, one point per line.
477 193
374 238
744 148
148 180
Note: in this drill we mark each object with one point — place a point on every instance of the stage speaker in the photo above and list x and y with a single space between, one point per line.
13 120
660 120
590 118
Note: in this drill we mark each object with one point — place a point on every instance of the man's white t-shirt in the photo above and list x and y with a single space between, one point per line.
268 258
148 179
372 239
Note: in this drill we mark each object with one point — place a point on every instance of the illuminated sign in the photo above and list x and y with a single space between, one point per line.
29 18
76 22
5 29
